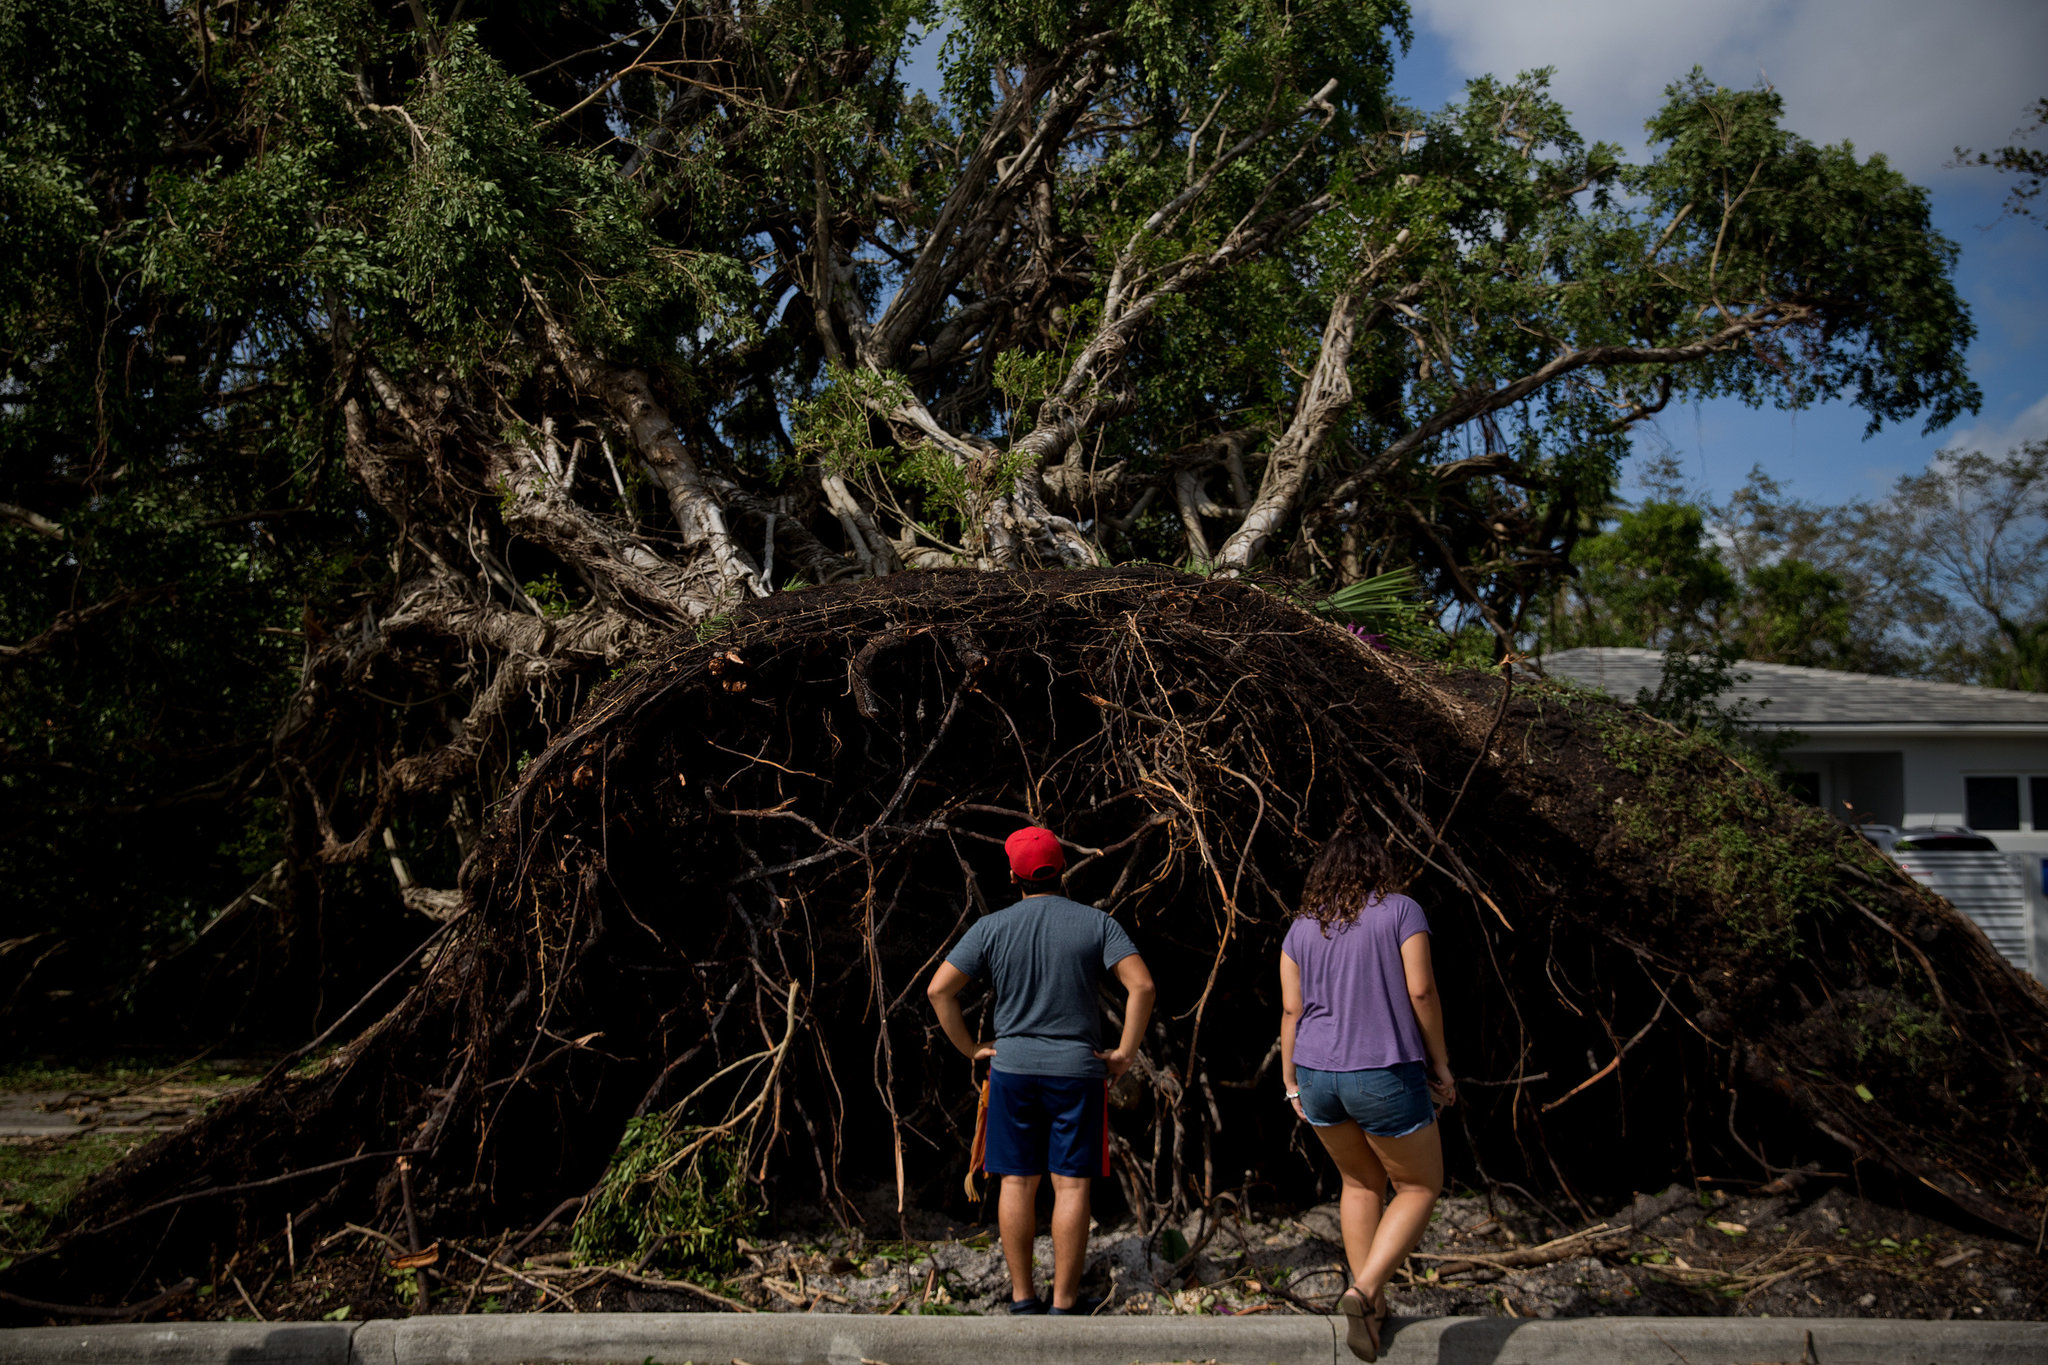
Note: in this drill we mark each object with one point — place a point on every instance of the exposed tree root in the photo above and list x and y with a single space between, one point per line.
721 891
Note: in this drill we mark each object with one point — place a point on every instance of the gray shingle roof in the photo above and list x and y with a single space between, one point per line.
1814 698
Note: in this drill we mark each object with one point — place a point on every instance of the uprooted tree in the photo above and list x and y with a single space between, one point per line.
381 377
514 372
690 974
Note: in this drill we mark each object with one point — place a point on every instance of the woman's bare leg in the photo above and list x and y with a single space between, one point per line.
1415 1164
1364 1193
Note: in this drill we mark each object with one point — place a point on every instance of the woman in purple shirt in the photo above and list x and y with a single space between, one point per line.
1359 1019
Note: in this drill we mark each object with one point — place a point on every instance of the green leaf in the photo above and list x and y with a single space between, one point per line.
1863 1093
1370 600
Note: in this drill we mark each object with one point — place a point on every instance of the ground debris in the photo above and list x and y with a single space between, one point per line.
1833 1254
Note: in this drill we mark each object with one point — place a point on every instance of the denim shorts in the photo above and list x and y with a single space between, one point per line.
1389 1101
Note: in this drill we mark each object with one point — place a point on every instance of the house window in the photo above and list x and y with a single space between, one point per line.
2006 801
1992 802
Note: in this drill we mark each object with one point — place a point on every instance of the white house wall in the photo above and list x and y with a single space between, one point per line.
1898 747
1934 766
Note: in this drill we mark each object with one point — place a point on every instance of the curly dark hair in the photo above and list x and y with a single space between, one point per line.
1351 868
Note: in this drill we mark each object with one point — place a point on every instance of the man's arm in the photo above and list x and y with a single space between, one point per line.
944 993
1139 993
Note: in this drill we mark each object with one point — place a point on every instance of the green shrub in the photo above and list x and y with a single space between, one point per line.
671 1183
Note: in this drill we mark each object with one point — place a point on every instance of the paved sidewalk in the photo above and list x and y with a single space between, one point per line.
40 1115
796 1339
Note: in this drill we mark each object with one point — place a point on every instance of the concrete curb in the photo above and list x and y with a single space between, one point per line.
182 1343
850 1339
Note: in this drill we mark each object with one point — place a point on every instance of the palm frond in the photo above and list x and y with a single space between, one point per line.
1374 601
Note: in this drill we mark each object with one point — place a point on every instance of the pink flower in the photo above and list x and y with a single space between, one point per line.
1378 642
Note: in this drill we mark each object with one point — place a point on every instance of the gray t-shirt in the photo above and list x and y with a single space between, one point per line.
1044 957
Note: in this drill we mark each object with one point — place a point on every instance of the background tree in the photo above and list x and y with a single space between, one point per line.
1946 578
1653 581
1806 597
1975 529
2027 165
377 376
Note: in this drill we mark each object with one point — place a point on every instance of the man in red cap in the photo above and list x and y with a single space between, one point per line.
1049 1074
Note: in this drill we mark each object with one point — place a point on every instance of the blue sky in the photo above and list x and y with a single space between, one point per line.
1908 78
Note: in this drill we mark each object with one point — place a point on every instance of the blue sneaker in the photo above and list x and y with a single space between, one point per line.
1027 1307
1083 1307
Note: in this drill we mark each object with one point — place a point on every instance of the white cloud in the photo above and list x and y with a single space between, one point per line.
1996 438
1909 78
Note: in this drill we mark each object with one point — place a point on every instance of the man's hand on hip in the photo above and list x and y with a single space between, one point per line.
1117 1060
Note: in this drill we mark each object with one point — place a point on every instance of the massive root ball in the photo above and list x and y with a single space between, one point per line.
718 898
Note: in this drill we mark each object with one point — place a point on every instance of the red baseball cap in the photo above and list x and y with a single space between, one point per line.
1035 854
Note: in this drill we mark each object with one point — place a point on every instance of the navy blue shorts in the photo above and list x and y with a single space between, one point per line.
1041 1124
1389 1101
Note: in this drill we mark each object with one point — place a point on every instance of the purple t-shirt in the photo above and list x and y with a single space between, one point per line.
1355 1013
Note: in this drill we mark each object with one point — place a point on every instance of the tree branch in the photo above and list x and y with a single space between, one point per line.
34 521
950 249
1476 405
698 513
1323 401
68 622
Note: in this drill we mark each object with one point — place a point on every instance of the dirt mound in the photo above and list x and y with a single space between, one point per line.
704 921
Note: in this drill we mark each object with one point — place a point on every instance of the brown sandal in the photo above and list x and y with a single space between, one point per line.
1360 1325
